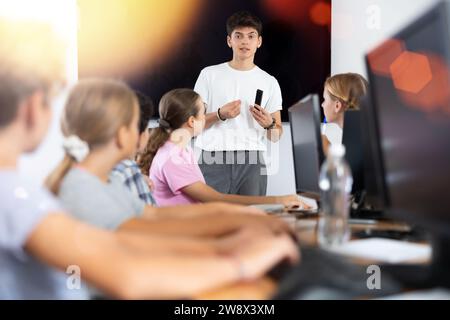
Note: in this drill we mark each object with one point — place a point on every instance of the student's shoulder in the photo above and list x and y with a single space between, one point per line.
265 75
221 67
19 192
76 181
174 157
12 183
125 167
74 175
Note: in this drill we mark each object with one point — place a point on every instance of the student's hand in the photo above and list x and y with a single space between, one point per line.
231 110
293 201
269 223
222 208
257 256
246 217
227 244
261 116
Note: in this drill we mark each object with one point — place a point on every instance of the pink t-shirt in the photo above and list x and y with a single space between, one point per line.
174 168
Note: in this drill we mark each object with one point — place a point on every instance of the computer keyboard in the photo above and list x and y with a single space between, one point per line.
324 275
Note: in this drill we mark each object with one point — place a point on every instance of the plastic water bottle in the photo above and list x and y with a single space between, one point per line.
335 182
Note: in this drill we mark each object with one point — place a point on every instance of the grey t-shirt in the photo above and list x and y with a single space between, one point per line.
23 205
104 205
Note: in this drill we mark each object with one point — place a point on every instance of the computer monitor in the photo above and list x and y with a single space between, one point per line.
374 183
412 107
352 140
304 118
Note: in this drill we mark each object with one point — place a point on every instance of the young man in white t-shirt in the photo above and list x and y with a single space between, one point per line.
237 129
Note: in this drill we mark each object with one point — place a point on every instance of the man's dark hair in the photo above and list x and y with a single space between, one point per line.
243 19
146 108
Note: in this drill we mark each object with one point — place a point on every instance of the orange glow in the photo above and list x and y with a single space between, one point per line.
292 11
58 15
381 58
411 72
320 14
121 37
436 94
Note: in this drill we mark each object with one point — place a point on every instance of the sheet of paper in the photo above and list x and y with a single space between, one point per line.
385 250
310 202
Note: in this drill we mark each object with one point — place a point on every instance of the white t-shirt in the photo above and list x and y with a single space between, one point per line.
221 84
333 133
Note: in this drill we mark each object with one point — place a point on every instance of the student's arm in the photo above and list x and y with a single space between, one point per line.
112 265
204 193
175 244
265 119
168 244
195 210
211 225
210 119
229 111
275 134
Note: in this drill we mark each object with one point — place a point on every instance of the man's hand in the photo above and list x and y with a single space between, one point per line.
231 110
261 116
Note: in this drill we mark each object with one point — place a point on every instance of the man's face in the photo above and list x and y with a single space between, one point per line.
244 41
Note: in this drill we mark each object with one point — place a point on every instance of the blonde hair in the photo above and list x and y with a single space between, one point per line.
32 58
348 88
95 111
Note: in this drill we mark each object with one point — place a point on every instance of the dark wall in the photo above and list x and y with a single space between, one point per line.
295 50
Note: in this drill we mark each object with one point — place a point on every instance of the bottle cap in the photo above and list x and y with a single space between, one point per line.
337 150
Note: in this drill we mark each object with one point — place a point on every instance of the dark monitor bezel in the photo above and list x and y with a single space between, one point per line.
312 99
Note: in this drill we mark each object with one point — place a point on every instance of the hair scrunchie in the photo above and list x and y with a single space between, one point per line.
76 148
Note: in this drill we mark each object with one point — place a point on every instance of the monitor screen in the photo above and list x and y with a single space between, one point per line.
352 140
374 183
411 98
304 118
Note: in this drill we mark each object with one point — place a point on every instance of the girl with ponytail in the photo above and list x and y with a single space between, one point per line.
171 163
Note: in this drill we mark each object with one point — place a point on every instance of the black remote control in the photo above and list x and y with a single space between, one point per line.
258 98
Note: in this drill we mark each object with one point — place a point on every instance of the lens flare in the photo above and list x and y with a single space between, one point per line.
121 37
381 58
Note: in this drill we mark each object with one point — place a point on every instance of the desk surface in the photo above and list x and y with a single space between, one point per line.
306 231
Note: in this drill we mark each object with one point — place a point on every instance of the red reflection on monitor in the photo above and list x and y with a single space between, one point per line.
435 95
382 58
411 72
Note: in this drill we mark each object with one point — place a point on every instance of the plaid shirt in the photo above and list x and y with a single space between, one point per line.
130 174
